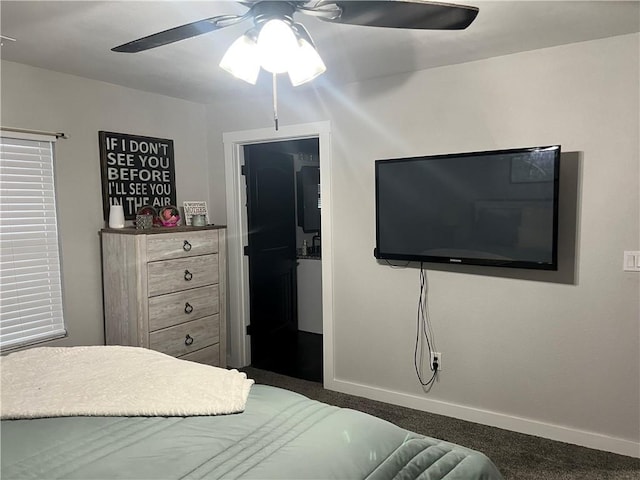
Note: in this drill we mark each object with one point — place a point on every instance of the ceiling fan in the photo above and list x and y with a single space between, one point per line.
413 14
279 44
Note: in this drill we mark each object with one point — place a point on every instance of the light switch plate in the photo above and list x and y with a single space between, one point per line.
631 262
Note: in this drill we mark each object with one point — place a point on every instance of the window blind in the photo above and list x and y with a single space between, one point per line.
30 280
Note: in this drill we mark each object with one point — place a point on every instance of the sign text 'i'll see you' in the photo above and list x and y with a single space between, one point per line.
136 171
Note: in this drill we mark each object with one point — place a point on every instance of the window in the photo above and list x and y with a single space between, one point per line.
30 284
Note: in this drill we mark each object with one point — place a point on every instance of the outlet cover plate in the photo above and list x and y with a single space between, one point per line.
435 355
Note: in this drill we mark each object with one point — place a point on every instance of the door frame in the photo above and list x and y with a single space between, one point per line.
238 285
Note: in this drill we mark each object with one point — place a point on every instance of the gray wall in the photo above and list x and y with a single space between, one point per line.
44 100
556 355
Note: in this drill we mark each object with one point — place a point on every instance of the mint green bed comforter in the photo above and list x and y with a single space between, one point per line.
280 435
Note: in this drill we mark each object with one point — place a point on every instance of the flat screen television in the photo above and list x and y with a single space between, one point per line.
496 208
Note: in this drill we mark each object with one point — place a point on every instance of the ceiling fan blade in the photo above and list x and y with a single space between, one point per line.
415 14
179 33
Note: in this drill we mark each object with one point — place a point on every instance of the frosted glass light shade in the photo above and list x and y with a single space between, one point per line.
277 46
241 60
306 65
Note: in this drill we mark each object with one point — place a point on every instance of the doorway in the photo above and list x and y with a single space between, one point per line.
284 256
239 342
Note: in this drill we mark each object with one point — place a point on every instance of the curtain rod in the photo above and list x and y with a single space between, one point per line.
35 132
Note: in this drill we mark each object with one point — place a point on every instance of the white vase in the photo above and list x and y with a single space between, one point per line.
116 216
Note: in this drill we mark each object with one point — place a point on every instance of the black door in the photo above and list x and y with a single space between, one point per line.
272 257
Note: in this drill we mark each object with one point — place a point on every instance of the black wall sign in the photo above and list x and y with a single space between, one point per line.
136 171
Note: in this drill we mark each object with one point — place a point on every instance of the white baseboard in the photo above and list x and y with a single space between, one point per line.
493 419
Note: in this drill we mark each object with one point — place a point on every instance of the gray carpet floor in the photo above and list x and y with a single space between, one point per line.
518 456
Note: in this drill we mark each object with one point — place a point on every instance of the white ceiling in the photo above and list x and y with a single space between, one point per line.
75 37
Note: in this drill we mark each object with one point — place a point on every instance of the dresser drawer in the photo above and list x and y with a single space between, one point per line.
170 276
183 244
209 355
174 308
186 337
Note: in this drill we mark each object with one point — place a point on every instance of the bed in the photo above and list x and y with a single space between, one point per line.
79 428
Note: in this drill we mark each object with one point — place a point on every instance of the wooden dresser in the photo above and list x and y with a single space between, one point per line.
164 289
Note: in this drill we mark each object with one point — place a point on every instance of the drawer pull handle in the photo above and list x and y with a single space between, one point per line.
188 340
188 308
188 275
187 246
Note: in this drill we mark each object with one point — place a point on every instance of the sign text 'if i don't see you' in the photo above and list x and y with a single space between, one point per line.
136 171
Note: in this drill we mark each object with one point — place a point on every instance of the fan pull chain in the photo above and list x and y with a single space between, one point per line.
275 100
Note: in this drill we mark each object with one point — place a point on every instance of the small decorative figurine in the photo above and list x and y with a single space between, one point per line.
169 216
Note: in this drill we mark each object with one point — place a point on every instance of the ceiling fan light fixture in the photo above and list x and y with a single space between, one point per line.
242 59
307 64
277 46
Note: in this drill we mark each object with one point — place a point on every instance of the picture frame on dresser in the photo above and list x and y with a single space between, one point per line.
192 208
164 289
135 171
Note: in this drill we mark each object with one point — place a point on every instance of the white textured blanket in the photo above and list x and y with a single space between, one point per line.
115 381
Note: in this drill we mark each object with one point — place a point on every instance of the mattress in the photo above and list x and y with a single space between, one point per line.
279 435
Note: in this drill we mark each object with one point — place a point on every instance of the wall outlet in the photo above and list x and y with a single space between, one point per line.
436 357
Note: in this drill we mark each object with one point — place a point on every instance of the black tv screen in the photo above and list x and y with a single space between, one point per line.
497 208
